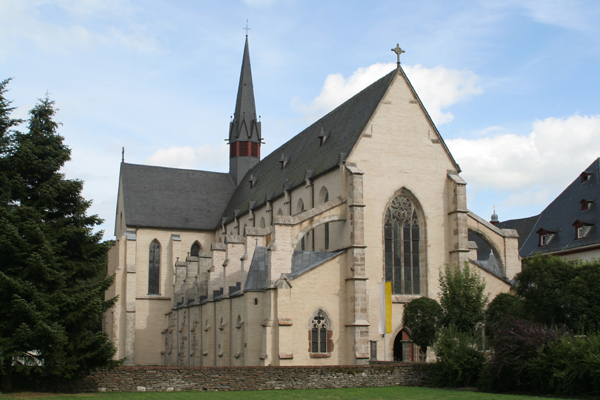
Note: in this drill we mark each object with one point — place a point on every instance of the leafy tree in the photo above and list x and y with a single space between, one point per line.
422 317
50 303
462 297
556 292
459 363
503 305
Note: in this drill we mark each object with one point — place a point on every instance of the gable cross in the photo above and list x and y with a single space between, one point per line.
398 51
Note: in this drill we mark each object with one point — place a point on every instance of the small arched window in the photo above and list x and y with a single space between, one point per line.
262 222
402 235
154 268
195 250
318 335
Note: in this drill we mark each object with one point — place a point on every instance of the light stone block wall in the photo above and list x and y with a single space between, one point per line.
400 148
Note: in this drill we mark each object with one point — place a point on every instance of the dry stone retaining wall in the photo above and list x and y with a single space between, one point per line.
128 379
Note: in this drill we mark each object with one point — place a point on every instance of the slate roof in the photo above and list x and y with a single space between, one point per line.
303 261
343 126
160 197
523 226
258 273
560 215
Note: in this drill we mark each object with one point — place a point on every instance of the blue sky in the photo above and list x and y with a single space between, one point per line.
512 85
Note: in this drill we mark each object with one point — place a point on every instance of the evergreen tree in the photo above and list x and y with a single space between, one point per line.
463 298
51 305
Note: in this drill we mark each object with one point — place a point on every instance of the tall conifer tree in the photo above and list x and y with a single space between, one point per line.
51 302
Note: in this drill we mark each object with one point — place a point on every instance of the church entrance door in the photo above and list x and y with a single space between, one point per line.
403 348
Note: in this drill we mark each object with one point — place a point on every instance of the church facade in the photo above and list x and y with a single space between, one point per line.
278 261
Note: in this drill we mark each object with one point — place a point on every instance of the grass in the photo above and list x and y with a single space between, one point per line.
378 393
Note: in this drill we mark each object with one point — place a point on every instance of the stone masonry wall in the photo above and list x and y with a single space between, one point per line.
130 378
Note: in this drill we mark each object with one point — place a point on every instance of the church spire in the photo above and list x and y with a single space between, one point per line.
244 130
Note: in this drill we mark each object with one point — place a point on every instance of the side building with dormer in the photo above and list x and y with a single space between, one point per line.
568 227
278 261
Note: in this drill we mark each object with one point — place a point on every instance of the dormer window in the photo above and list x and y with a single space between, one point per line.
284 160
252 180
322 137
586 204
586 177
546 236
582 228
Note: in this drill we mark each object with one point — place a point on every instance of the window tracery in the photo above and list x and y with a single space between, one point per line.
319 333
402 237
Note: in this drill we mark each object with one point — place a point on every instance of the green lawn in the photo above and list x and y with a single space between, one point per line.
380 393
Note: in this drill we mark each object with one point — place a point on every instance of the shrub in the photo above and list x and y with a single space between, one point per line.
516 342
459 362
569 366
502 306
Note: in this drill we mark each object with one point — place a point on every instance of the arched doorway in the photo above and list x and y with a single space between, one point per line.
403 348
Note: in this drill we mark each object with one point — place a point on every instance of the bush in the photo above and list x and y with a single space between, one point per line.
459 362
516 342
502 306
569 366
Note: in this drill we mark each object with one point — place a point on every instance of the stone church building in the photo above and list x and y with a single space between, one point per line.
278 261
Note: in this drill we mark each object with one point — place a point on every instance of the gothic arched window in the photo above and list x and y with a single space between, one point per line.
402 234
154 268
319 333
195 250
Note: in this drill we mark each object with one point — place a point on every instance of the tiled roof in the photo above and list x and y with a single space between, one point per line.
160 197
560 215
303 152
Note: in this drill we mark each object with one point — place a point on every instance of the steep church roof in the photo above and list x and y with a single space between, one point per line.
342 126
160 197
577 205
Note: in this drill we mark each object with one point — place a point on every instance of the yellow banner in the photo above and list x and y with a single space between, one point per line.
388 307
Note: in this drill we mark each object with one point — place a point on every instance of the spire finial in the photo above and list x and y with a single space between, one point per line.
246 28
123 154
398 51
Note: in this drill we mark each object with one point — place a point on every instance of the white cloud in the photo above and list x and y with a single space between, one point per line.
438 89
78 29
570 14
551 156
205 157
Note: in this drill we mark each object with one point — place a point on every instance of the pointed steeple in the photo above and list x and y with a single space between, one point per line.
244 130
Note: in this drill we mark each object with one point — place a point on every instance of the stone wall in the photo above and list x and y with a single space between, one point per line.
129 378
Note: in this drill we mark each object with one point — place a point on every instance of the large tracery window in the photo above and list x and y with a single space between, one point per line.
402 233
154 268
